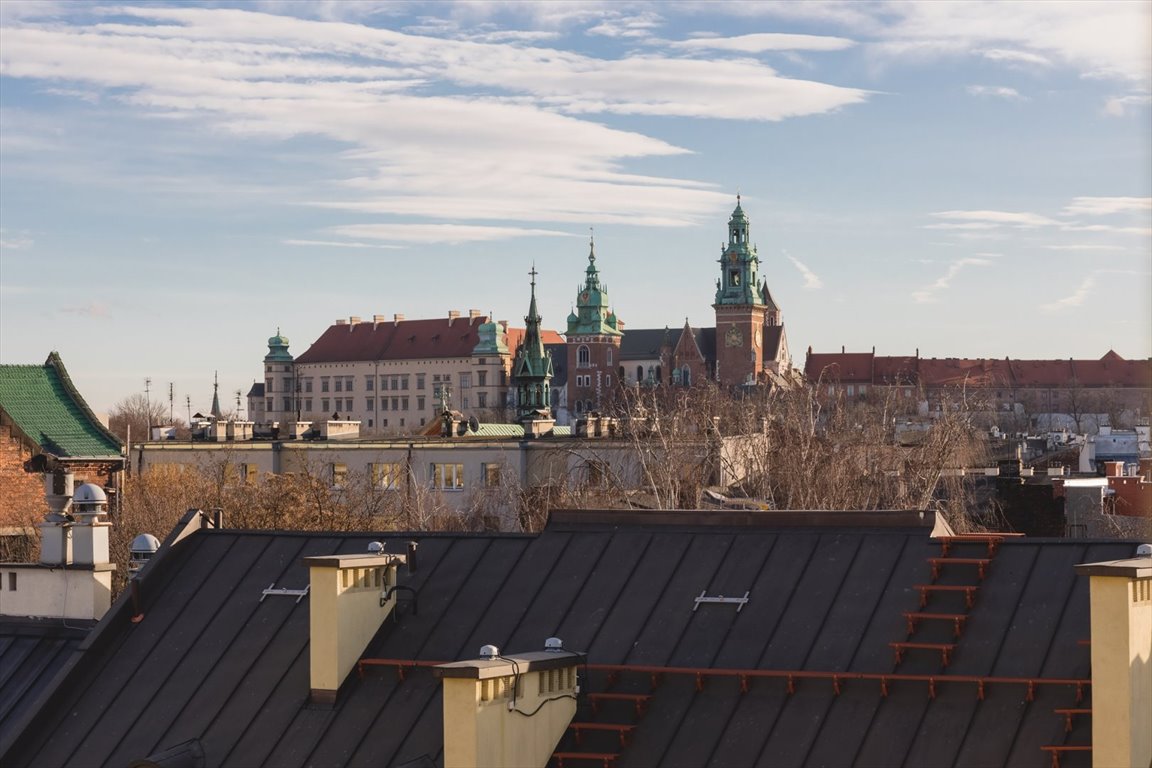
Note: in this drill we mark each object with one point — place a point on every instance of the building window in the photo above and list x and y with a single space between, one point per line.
269 405
324 403
579 407
464 402
308 384
249 472
383 403
608 380
348 383
465 380
287 385
395 403
268 386
420 405
583 356
686 376
386 476
419 381
448 477
492 475
608 356
481 399
339 474
395 382
369 382
403 382
596 472
481 378
734 277
851 390
339 384
288 404
370 404
308 404
403 403
323 383
863 389
11 581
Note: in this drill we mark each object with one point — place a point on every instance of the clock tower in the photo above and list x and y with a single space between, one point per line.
741 309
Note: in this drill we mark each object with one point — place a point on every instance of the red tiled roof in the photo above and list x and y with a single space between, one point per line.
1109 371
405 340
845 367
956 371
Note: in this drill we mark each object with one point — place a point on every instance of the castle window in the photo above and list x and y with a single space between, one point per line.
639 374
578 407
583 356
481 378
734 277
608 359
685 376
323 383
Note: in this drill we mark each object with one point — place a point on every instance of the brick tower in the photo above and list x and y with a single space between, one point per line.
741 309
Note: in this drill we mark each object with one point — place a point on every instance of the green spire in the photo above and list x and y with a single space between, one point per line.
738 283
592 316
532 369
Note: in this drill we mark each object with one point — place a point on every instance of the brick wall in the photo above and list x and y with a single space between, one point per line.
21 493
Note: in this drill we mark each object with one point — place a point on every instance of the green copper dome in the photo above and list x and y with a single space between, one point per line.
278 349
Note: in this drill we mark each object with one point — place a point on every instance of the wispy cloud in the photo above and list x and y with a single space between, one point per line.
929 293
1015 57
995 91
615 24
988 219
1119 106
15 241
812 281
92 309
1083 247
1075 299
762 42
340 244
1104 206
440 233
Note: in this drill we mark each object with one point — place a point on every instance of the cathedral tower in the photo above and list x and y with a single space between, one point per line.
532 375
593 345
743 307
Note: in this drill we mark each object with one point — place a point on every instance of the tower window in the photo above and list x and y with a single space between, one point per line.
734 277
583 356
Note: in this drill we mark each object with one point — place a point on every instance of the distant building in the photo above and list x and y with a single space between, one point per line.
390 374
593 337
1080 395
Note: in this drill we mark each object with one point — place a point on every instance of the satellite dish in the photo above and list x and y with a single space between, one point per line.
473 424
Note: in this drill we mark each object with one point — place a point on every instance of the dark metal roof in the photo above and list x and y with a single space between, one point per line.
32 652
210 661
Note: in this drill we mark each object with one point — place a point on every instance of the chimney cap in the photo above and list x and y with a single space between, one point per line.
554 645
489 651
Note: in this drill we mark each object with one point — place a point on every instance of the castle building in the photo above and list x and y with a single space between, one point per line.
593 340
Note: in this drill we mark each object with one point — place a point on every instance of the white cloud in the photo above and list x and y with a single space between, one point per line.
91 309
15 241
812 281
625 25
1075 299
340 244
1015 57
439 233
1084 247
765 41
997 91
929 293
497 122
1104 206
995 218
1118 106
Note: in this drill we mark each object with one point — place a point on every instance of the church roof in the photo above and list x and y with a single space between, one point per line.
802 673
44 405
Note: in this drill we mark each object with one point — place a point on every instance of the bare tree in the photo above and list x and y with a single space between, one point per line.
139 414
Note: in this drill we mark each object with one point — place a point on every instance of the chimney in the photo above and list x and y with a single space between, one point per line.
1121 595
377 319
56 529
353 321
349 597
452 315
90 531
341 321
472 315
508 710
1113 469
397 319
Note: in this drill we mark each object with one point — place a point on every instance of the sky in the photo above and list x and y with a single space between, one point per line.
179 181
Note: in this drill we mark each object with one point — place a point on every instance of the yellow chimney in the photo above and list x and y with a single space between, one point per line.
1121 660
349 597
509 711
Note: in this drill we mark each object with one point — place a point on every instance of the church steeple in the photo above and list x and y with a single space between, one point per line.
217 413
593 315
532 369
738 284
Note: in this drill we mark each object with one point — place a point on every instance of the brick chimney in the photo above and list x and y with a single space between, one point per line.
349 598
508 710
1121 594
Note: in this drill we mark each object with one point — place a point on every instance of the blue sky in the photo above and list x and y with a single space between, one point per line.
178 181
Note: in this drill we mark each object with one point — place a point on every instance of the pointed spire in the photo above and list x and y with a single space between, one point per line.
216 412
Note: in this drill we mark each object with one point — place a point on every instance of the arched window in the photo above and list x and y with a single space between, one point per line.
578 407
659 374
686 376
583 356
676 376
640 374
588 406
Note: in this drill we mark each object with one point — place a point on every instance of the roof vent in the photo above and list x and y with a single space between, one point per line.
375 547
141 551
489 652
553 645
1144 550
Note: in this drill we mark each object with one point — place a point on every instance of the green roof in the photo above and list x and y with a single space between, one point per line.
41 402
